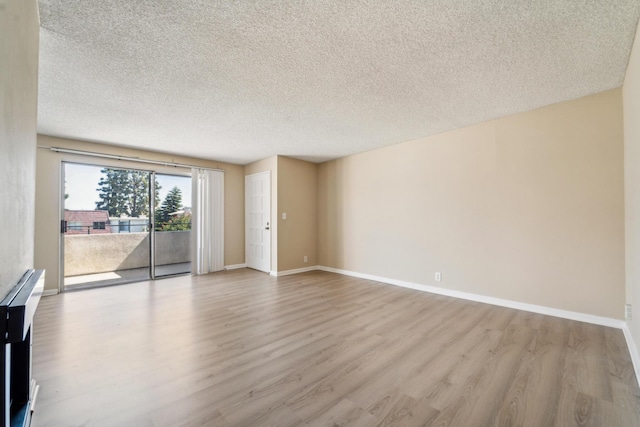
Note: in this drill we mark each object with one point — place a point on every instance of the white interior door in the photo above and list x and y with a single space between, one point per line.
258 221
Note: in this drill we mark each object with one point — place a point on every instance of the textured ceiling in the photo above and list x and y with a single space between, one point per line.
238 81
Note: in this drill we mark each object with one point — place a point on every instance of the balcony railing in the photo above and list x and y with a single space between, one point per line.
108 252
122 227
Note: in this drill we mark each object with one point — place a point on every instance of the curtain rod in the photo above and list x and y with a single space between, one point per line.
131 159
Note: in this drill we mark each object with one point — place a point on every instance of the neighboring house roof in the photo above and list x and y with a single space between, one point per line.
86 216
82 221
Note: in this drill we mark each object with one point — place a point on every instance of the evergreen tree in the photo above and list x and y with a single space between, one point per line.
139 196
172 203
114 192
178 223
125 193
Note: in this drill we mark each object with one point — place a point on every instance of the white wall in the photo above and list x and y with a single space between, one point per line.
19 32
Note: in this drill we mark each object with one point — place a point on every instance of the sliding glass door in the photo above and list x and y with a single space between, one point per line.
123 225
172 231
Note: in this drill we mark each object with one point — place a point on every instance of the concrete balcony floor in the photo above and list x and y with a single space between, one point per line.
123 276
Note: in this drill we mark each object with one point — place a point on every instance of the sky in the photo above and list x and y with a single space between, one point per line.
82 186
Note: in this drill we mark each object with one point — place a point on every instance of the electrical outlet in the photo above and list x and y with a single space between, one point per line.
306 259
438 277
628 312
284 215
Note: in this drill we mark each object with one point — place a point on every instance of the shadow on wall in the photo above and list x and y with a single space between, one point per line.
331 208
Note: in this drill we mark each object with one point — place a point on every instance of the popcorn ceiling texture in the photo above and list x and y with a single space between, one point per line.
317 79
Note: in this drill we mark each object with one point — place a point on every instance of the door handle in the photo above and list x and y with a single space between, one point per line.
267 227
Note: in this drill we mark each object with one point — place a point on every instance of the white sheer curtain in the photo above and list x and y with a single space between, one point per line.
207 236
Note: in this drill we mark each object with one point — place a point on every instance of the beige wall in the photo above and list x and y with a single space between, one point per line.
631 97
269 165
527 208
297 196
48 194
19 32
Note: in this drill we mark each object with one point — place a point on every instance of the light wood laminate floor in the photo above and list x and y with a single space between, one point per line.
241 348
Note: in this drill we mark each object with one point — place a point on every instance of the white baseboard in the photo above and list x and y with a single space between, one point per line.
235 266
533 308
633 351
294 271
556 312
50 292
